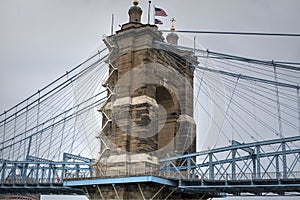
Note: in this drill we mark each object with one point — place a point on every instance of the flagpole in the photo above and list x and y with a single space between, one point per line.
149 12
112 24
153 14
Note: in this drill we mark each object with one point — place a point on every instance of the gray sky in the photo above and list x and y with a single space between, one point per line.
41 39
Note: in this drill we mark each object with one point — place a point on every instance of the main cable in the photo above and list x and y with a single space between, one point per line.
236 33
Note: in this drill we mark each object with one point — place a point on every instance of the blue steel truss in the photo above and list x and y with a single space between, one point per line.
259 167
38 175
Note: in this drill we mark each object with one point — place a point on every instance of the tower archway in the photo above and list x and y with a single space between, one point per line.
168 127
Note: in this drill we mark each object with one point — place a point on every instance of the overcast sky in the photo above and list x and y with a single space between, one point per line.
41 39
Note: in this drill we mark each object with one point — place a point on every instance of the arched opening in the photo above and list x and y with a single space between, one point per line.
168 124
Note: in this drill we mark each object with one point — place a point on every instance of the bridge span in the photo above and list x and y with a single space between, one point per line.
239 169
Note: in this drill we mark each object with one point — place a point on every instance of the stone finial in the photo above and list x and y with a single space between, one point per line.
172 37
172 27
135 13
135 2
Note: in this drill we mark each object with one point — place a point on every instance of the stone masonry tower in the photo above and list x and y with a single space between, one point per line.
148 114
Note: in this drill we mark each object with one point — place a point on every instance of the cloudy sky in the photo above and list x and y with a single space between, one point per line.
41 39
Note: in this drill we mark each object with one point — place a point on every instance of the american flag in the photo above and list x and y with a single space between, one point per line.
157 21
160 12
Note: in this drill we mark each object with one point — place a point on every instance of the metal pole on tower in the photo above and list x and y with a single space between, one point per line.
149 12
112 24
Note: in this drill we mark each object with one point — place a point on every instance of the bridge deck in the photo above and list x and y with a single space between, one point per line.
32 186
119 180
165 187
45 189
236 187
212 187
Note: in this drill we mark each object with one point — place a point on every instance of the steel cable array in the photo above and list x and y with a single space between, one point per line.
235 98
51 121
250 98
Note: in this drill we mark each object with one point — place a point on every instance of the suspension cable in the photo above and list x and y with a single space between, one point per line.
236 33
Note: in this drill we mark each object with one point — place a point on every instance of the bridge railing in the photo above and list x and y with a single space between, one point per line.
273 159
228 177
267 160
38 171
30 181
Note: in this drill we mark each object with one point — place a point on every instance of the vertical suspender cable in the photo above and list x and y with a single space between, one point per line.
29 146
37 123
4 132
278 104
15 129
195 43
298 99
26 123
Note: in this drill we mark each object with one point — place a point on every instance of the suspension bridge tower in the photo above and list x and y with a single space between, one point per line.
148 114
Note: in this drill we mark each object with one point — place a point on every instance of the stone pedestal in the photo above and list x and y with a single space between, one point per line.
129 165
